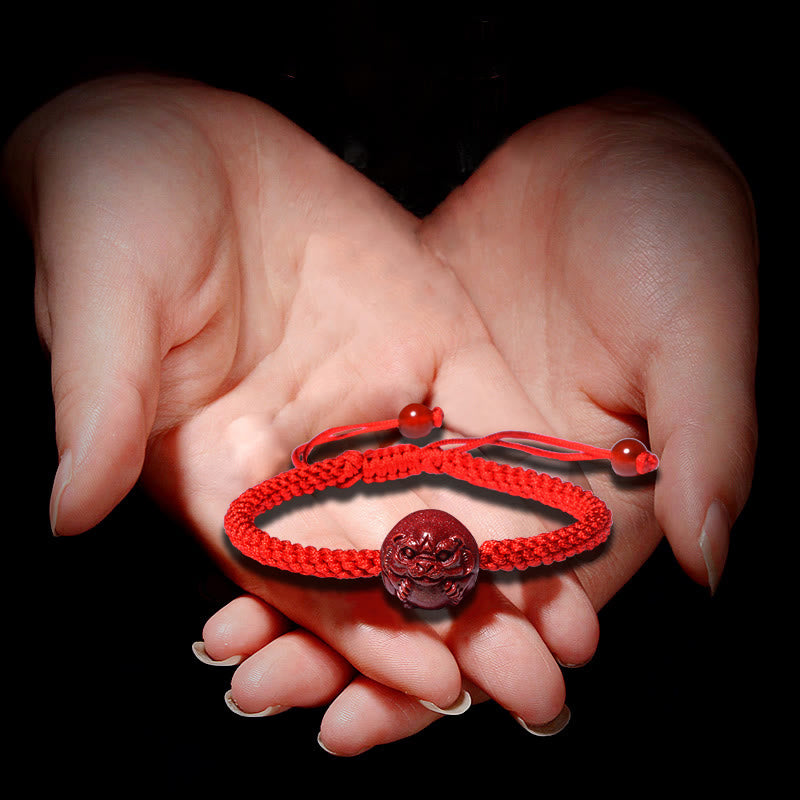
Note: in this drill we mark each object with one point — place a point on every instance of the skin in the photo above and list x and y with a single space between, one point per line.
215 288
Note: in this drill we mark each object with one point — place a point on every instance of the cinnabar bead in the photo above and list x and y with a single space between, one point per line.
625 458
429 560
415 421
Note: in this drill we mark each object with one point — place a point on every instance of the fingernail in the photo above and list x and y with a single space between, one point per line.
62 480
326 749
549 728
459 707
714 541
571 666
199 649
269 711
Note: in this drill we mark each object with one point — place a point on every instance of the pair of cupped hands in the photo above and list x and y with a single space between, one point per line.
215 288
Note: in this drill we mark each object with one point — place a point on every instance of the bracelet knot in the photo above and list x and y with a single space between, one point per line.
353 463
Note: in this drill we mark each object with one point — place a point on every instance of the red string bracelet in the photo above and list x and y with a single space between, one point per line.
429 559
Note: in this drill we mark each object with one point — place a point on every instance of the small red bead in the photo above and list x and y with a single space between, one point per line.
415 421
631 457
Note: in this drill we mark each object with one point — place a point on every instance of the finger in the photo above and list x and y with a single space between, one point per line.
367 714
104 341
294 670
558 607
372 633
99 316
700 397
499 650
703 422
238 630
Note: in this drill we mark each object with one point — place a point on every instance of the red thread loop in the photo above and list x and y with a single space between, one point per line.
414 422
627 457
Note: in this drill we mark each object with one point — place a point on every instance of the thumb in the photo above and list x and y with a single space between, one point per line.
107 178
104 341
702 419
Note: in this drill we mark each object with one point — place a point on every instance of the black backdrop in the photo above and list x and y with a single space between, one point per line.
104 690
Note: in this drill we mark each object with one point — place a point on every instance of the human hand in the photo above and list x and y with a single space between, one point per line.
198 236
612 250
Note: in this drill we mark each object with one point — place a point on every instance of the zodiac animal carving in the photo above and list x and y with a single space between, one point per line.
429 560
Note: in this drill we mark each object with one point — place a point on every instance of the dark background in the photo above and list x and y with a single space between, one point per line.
684 688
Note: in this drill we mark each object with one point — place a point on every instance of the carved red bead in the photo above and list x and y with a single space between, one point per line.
415 421
429 560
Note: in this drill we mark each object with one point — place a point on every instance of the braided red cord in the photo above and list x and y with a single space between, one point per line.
592 526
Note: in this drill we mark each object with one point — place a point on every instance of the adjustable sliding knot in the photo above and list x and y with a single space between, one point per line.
352 468
429 559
